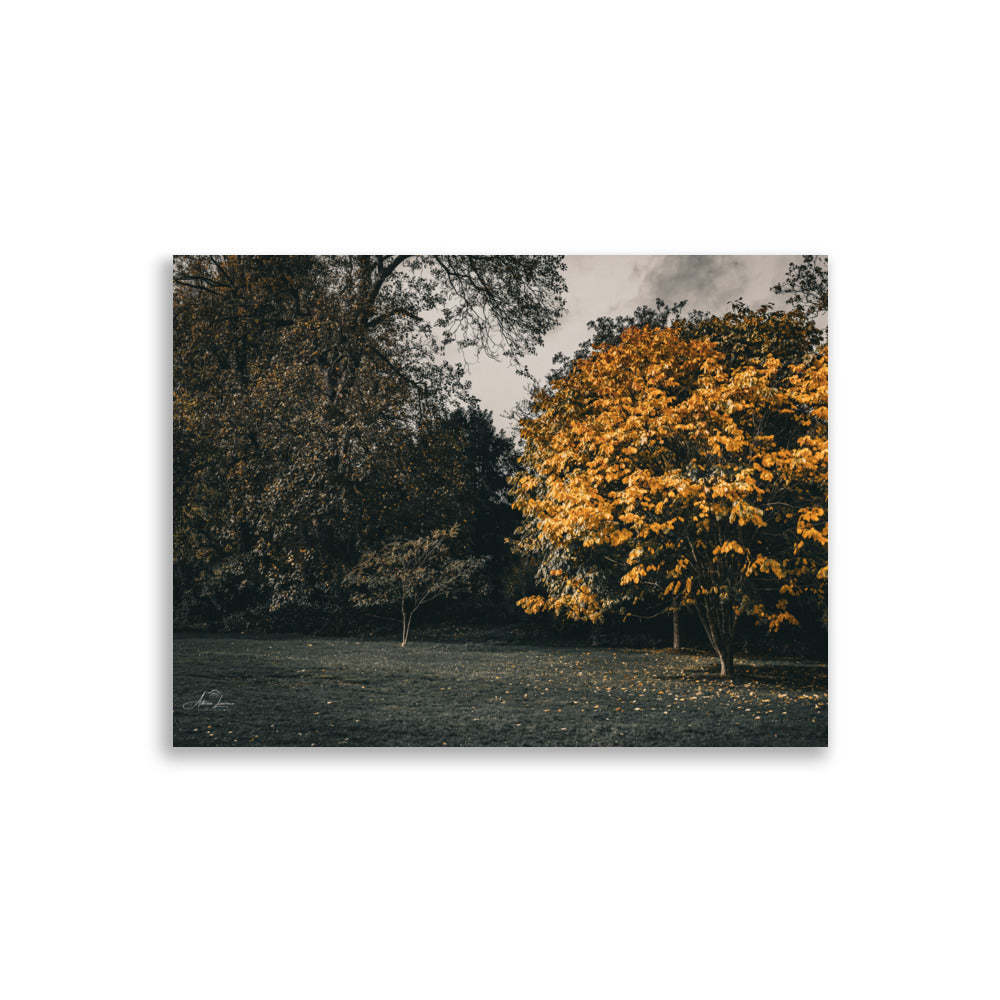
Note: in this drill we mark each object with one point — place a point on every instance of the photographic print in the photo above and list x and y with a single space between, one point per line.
527 500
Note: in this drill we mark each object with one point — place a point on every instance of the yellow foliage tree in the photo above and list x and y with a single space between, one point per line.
691 480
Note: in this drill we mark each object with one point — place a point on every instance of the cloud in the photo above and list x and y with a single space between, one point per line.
710 283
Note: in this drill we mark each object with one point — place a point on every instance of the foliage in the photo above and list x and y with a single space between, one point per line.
608 330
807 285
412 572
685 471
751 336
461 471
311 396
742 332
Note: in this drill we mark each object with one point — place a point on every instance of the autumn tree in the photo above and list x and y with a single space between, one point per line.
409 573
682 471
608 330
741 332
743 335
301 387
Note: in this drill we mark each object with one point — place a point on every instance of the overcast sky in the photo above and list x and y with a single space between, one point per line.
617 285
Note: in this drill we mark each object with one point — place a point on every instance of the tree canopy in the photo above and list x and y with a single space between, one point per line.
807 285
309 393
411 572
682 466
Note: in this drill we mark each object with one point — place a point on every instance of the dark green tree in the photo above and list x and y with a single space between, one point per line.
409 573
807 285
301 387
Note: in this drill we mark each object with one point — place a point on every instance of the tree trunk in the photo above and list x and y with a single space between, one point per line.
720 627
723 647
726 660
677 628
407 622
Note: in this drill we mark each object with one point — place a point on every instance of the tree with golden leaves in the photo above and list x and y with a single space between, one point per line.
658 469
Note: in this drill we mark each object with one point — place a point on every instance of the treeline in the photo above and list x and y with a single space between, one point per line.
323 444
316 418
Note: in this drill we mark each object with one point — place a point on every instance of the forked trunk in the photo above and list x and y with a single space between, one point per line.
720 627
407 621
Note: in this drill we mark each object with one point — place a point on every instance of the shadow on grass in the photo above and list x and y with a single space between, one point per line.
802 677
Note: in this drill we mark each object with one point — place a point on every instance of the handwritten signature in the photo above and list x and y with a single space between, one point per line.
209 699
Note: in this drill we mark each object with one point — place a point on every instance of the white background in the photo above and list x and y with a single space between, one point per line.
861 130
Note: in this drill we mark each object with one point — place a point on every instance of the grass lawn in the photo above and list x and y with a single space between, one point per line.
348 692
